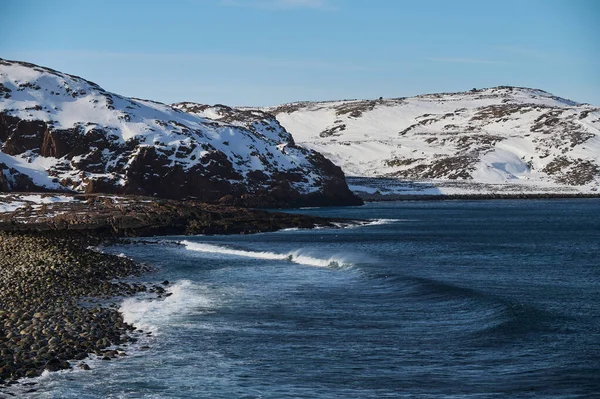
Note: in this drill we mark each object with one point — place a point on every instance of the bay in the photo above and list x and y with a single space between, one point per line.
452 299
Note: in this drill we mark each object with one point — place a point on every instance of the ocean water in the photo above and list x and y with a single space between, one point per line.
456 299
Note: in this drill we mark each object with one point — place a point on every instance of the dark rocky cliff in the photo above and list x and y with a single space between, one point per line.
61 132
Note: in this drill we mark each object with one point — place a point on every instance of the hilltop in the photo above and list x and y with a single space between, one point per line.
501 139
60 132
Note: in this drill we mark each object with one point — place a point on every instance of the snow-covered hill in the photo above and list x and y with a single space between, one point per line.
59 132
502 139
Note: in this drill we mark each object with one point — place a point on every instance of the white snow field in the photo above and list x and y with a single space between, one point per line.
502 139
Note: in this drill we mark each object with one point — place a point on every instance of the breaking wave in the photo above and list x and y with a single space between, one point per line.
377 222
184 297
294 256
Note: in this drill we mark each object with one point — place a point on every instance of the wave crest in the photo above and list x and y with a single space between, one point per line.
294 256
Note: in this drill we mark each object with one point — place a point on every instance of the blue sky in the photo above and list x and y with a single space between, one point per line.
266 52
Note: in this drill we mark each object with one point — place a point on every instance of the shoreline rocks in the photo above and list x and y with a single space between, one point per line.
133 216
44 320
52 283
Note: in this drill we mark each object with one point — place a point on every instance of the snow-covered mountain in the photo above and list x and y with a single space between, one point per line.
59 131
502 139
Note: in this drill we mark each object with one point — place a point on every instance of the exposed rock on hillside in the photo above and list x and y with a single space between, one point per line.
62 132
489 139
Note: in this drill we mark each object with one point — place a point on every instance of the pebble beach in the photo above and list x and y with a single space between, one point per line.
59 293
47 318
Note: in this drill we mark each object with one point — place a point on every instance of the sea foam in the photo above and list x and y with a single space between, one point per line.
295 256
186 297
378 222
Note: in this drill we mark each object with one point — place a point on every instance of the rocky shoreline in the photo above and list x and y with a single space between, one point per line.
51 278
45 322
135 216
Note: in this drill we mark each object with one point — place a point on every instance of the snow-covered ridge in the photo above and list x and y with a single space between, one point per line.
497 137
59 131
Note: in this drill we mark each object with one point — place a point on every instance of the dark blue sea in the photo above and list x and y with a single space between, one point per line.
453 299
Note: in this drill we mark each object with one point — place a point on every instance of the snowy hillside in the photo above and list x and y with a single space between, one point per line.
499 139
59 132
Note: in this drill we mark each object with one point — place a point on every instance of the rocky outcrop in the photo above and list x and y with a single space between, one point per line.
13 180
132 216
61 132
280 191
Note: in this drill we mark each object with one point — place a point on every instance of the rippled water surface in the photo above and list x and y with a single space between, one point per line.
457 299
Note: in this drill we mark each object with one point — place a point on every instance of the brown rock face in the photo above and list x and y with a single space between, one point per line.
4 186
7 125
55 144
80 137
335 189
20 136
13 180
149 170
23 136
150 173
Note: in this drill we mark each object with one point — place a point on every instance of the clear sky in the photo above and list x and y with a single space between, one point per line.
266 52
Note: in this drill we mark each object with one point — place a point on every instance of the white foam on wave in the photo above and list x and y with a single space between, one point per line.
378 222
363 223
291 229
186 297
294 256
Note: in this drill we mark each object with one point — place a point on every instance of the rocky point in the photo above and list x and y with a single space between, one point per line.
62 132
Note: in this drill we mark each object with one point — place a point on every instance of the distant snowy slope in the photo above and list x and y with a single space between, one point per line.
59 131
504 136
